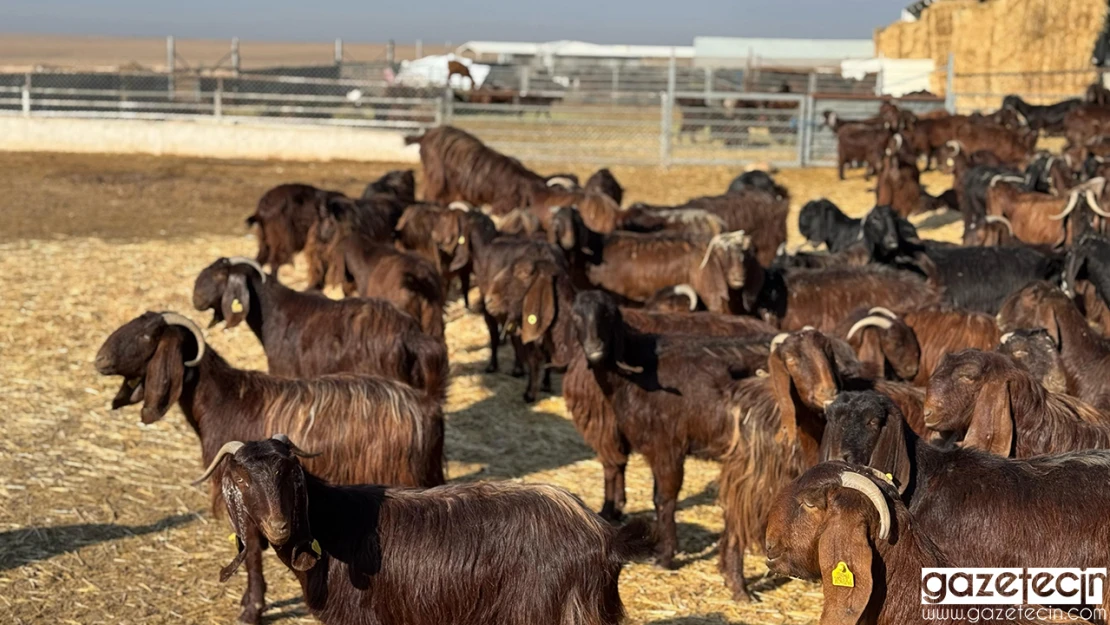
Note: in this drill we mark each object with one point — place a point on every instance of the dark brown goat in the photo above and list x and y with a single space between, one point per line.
1035 351
307 335
409 282
1084 354
840 521
976 505
164 361
284 216
999 407
899 185
911 345
504 553
760 213
602 181
822 298
860 143
1040 218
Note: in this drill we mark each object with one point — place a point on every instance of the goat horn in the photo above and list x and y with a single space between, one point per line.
1006 337
627 368
561 181
778 340
805 328
1073 199
297 451
1005 178
1093 203
690 293
955 145
459 206
898 142
174 319
879 310
864 485
250 262
999 219
876 321
229 448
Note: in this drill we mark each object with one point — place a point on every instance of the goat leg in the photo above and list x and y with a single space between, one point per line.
494 342
254 598
533 356
518 358
613 508
668 475
732 564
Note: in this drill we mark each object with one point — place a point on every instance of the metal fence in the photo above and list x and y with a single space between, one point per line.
984 91
681 121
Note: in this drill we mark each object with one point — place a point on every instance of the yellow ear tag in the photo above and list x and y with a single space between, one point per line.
841 576
236 306
232 538
462 240
532 319
890 478
316 547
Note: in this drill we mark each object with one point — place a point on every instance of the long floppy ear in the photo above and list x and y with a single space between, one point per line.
538 311
891 454
992 420
870 350
446 233
754 277
236 301
844 555
709 282
164 375
782 389
902 350
462 249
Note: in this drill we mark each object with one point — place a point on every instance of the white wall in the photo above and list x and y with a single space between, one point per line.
213 139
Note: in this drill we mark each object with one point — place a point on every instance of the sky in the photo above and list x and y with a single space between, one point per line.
671 22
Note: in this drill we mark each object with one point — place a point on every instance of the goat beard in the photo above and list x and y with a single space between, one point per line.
130 393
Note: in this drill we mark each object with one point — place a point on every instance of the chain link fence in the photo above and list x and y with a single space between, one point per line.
654 115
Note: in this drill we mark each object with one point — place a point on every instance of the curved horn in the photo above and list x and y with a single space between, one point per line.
229 448
297 451
876 321
250 262
1093 203
561 181
1006 338
689 292
1005 178
999 219
806 328
864 485
778 340
627 368
898 142
459 206
886 312
174 319
955 145
1073 199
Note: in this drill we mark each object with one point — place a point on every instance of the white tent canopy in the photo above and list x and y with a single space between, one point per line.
432 70
567 48
897 77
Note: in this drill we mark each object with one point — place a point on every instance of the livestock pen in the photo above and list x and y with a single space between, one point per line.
98 522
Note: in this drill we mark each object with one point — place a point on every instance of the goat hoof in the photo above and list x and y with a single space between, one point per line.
610 515
529 397
517 373
665 562
251 615
741 596
491 368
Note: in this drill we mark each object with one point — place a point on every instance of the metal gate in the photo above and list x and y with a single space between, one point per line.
733 128
821 144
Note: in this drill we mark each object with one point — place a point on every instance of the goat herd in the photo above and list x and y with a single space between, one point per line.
888 405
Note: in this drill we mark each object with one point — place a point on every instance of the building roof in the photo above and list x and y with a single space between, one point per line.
783 49
574 48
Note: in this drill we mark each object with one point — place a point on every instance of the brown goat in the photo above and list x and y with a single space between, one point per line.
1084 355
164 361
1040 218
911 345
512 554
899 186
760 213
860 143
308 335
409 282
999 407
284 216
1035 351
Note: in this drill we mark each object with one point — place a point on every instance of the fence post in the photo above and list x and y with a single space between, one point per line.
338 54
616 79
803 129
26 95
419 48
448 106
439 111
390 52
218 99
525 79
235 55
950 85
171 57
668 113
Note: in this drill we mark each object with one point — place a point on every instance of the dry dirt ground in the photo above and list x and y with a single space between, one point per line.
98 523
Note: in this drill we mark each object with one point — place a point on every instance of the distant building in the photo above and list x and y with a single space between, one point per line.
779 53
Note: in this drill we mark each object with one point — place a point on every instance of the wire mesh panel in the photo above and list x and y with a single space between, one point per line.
735 128
821 148
554 130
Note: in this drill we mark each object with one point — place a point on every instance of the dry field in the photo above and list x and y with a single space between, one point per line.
98 523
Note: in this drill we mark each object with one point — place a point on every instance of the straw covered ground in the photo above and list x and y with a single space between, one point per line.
98 523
